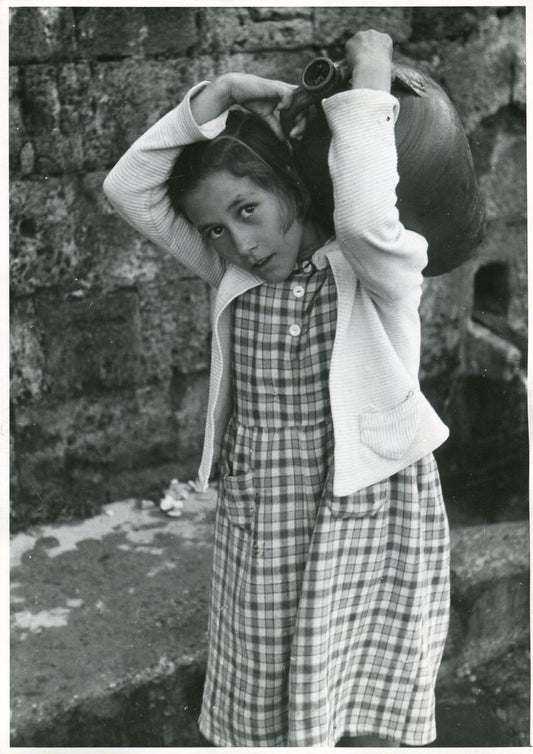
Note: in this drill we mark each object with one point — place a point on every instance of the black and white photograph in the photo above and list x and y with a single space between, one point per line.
268 342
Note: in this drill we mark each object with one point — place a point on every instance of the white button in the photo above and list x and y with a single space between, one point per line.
298 291
295 330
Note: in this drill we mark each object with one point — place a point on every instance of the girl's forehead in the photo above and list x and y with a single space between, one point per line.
224 181
218 193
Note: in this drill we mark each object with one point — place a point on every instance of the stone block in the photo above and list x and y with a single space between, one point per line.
447 23
230 31
487 355
506 243
27 159
485 554
17 134
175 327
287 34
54 151
130 430
130 96
218 27
38 463
26 353
76 100
507 682
59 109
504 186
489 570
445 308
121 257
38 34
53 113
92 344
83 119
478 75
14 485
42 493
188 394
76 453
65 233
169 31
43 234
121 32
15 84
498 620
519 79
333 26
486 457
279 14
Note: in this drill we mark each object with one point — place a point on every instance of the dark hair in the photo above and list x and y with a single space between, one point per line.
247 147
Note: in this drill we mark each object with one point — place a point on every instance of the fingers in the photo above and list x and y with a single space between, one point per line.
250 88
298 129
273 121
286 95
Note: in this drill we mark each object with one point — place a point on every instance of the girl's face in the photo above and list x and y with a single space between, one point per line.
244 223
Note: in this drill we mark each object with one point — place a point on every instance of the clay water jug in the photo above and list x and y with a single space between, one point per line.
438 195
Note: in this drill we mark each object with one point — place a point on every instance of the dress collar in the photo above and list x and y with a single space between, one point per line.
317 262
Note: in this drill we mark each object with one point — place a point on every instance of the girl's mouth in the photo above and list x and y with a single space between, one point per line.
262 261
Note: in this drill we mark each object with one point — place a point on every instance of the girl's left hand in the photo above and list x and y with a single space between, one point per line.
266 97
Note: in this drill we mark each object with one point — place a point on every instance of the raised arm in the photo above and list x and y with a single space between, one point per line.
137 187
387 258
137 184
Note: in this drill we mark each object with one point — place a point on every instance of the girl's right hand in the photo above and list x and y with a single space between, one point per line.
369 58
266 97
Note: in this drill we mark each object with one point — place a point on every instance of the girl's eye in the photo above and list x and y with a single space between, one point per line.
216 232
248 210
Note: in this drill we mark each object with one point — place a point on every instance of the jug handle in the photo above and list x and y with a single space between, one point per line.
302 100
413 81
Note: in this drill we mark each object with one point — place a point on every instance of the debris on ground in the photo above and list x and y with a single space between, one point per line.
176 494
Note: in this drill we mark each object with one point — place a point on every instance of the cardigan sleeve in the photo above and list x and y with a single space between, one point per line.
137 188
388 259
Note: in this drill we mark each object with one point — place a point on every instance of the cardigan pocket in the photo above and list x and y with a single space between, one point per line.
366 502
238 498
390 433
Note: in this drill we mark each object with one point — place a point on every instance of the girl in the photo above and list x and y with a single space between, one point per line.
329 602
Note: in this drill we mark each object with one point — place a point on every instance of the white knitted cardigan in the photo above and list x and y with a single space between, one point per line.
382 422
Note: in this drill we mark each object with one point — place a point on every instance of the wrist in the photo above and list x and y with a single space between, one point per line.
372 75
223 91
211 101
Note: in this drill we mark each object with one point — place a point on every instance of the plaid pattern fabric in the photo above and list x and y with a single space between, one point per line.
328 615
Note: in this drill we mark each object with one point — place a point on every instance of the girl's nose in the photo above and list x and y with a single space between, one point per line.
244 244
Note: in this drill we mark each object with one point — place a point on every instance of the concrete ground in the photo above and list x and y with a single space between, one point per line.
105 604
109 623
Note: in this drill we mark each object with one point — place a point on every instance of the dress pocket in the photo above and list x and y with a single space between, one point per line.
390 433
238 498
366 502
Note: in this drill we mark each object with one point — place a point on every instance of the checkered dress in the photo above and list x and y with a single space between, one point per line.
328 615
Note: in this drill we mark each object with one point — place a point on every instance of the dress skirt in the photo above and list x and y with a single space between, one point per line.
328 614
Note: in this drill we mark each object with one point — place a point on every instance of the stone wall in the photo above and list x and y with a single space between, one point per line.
109 336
